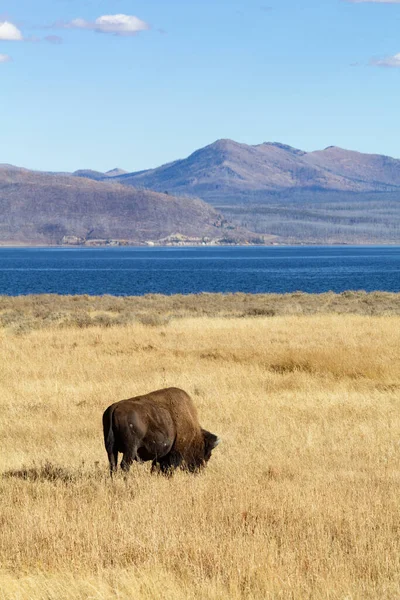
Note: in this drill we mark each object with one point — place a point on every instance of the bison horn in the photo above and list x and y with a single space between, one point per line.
211 440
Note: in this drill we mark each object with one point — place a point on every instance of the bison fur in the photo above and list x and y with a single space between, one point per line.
163 427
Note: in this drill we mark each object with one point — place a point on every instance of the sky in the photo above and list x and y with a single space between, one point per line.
101 84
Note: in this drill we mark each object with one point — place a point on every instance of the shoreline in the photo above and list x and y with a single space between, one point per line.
197 246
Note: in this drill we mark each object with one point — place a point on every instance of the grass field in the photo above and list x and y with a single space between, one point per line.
25 313
299 501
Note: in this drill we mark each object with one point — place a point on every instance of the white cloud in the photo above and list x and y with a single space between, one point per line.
8 31
124 25
390 61
5 58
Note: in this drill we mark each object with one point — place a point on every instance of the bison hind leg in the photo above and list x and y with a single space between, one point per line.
155 466
129 456
126 462
113 460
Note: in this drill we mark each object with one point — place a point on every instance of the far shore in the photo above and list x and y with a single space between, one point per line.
5 245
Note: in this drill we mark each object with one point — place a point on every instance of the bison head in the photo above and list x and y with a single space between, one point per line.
202 454
211 441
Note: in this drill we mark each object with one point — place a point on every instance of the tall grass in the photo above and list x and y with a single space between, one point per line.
300 500
22 314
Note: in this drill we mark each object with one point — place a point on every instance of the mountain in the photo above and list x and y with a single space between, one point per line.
43 208
115 172
276 192
327 196
226 172
98 175
89 174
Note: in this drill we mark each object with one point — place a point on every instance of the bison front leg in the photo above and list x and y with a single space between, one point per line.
168 464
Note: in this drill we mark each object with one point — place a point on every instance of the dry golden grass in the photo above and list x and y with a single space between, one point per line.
24 313
300 500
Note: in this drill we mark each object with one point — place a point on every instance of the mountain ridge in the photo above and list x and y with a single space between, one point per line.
270 190
227 170
38 207
329 196
269 167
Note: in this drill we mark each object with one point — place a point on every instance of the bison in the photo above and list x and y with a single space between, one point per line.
163 427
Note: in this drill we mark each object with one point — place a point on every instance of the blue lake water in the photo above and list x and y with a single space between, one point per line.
137 271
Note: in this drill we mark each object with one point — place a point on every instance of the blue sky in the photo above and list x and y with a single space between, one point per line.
134 84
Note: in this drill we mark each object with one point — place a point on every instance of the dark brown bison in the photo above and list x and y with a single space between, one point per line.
163 427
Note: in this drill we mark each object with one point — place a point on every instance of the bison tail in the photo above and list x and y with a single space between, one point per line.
109 438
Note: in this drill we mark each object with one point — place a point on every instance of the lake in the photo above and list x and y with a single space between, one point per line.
137 271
